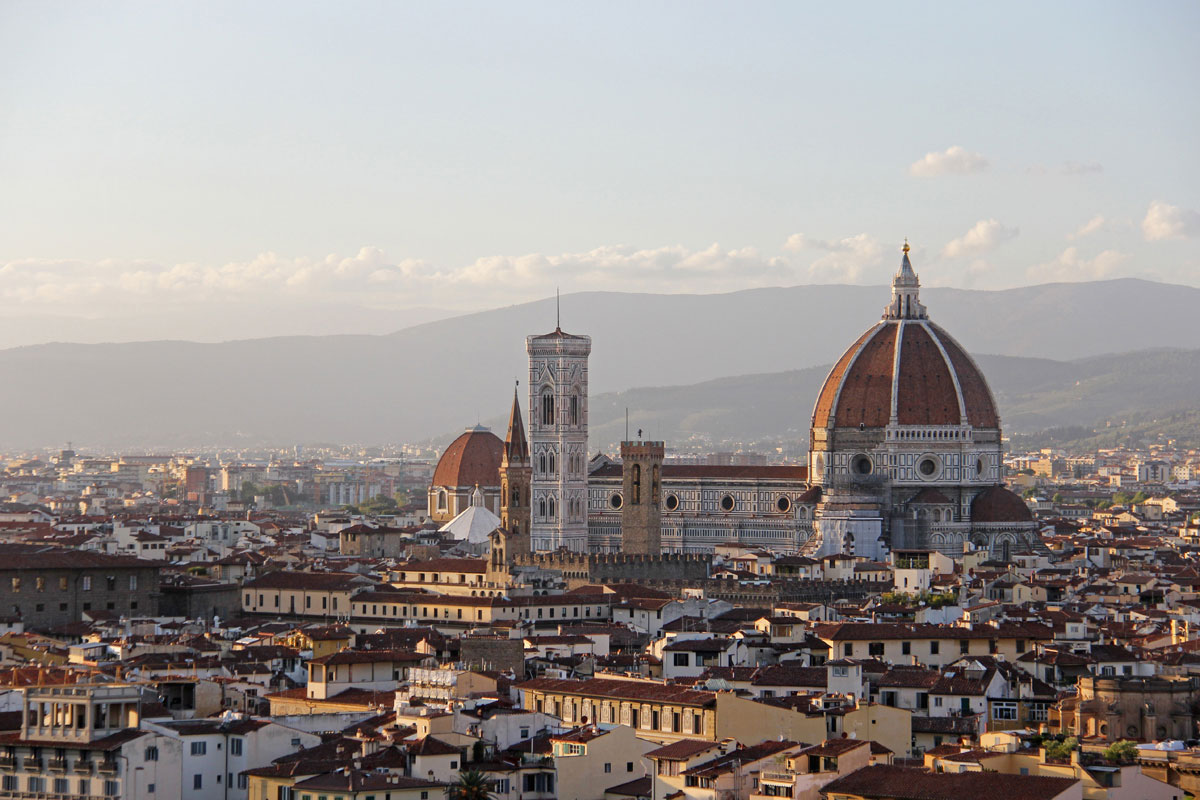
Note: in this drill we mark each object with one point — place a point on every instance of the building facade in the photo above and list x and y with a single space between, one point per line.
52 586
702 506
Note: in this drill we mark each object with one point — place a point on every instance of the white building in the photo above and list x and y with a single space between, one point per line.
212 754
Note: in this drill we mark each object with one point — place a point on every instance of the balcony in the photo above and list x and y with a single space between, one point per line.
57 765
82 766
777 777
8 762
31 763
107 767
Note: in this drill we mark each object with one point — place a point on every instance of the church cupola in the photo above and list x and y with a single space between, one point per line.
906 291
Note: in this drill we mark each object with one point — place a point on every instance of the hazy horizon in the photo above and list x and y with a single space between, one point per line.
217 170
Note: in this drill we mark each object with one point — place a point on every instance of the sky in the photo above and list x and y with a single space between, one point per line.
212 170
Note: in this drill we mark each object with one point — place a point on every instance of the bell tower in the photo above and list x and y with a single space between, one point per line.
641 497
558 428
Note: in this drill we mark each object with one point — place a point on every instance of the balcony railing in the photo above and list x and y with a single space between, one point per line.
107 767
31 764
82 767
57 765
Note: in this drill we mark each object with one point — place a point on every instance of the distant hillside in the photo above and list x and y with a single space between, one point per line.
1107 399
444 375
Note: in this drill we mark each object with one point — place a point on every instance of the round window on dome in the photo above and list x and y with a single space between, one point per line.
784 503
727 503
861 465
927 467
615 501
979 467
672 502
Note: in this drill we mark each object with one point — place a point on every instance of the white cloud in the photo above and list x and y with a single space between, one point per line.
845 260
1164 221
1070 266
1094 225
954 160
369 278
985 235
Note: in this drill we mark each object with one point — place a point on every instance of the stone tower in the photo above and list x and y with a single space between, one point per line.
641 497
558 396
515 475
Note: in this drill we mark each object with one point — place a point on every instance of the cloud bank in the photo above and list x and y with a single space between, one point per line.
1165 221
953 160
985 235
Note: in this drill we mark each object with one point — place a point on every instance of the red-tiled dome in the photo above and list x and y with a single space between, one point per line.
997 504
473 458
905 368
931 379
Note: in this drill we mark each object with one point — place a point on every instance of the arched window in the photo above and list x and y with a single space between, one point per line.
550 507
516 497
542 463
547 408
441 500
552 464
575 407
637 483
542 507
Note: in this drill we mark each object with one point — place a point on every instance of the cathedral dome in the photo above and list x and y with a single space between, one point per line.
997 504
473 459
905 371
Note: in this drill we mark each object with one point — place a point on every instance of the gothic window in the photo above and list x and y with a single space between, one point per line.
637 484
542 463
552 465
575 409
547 408
550 507
542 507
504 495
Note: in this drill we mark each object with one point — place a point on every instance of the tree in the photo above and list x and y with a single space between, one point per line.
471 785
1057 498
1121 751
248 492
380 504
1061 751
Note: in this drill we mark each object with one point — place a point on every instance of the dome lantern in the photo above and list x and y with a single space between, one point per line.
906 290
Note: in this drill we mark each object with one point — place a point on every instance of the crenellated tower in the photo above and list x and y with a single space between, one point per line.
641 497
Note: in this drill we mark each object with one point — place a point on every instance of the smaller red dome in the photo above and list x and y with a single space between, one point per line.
471 459
997 504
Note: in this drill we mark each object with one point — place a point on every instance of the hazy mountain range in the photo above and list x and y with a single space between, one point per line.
1033 394
430 379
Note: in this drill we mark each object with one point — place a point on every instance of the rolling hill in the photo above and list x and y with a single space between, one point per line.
440 376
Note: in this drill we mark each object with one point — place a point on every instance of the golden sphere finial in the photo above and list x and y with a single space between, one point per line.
905 245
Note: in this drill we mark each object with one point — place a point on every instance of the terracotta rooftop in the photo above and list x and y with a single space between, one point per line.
901 783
